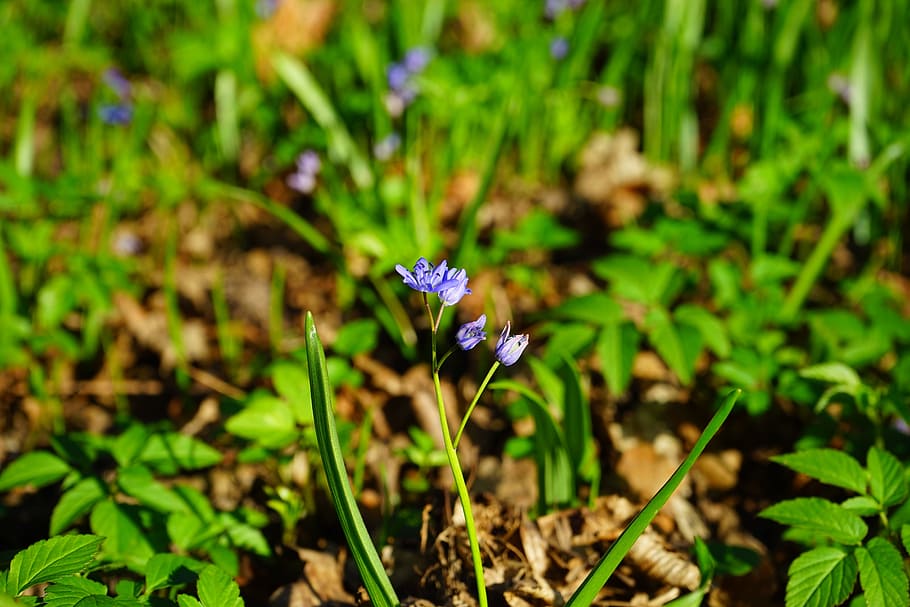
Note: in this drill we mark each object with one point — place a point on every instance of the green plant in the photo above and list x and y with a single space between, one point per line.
862 535
65 563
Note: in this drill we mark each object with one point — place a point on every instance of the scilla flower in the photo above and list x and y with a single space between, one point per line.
471 333
509 348
304 178
452 295
426 277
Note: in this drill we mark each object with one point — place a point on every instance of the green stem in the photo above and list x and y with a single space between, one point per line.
462 490
483 386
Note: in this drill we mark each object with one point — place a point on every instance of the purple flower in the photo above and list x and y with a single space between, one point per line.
509 348
120 113
398 76
386 147
416 59
304 178
426 277
452 295
115 80
559 48
471 333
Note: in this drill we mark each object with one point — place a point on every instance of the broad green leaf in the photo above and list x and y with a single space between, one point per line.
375 579
217 589
905 537
243 535
36 468
596 308
886 477
711 328
107 601
821 577
617 346
355 337
863 505
266 419
882 575
169 570
50 559
169 452
138 482
129 444
185 600
829 466
125 541
733 560
70 590
75 502
587 591
673 346
833 373
293 384
819 516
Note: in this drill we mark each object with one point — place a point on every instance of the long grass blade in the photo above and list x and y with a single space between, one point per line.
588 590
375 579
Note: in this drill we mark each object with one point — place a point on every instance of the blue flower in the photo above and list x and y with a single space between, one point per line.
452 295
304 179
509 348
416 59
559 48
471 333
426 277
120 113
398 76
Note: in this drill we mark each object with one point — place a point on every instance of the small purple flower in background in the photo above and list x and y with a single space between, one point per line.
403 89
559 48
121 112
416 60
426 277
304 178
452 295
386 147
509 348
397 76
471 333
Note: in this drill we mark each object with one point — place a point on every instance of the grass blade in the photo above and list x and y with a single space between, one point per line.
608 563
375 579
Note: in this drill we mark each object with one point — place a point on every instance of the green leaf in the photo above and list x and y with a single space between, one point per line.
47 560
129 444
833 373
217 589
819 516
68 591
169 570
138 482
674 344
596 308
617 346
712 329
577 417
587 591
266 419
881 574
75 502
886 477
36 468
733 560
293 384
356 337
828 466
375 579
169 452
125 539
821 577
185 600
863 505
905 537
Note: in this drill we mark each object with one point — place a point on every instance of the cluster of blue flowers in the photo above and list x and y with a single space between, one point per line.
451 284
303 179
401 77
122 111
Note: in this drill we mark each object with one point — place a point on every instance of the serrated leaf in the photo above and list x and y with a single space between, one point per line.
266 419
185 600
821 577
168 570
170 451
905 537
49 559
881 574
886 477
75 502
217 589
125 541
36 468
828 466
68 591
819 516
